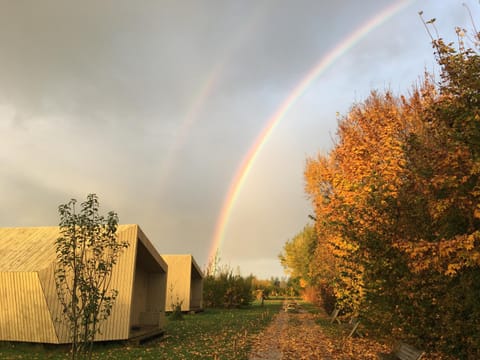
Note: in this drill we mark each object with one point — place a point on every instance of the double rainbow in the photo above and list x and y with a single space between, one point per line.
326 61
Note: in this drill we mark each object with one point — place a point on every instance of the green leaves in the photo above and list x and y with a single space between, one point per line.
87 250
226 289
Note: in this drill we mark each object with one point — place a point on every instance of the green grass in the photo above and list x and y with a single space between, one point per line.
220 333
311 308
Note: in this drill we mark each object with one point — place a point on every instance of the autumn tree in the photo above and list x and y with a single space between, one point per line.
397 202
352 188
449 146
86 252
299 259
445 167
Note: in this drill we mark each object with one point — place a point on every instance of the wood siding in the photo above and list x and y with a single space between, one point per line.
27 249
150 279
29 307
117 326
47 282
24 313
184 283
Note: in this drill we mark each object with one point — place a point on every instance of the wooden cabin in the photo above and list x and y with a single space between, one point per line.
29 307
184 283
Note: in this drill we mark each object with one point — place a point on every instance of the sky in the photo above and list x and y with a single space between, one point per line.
194 119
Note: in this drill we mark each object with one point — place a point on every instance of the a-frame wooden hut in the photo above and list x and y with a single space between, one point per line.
29 307
184 283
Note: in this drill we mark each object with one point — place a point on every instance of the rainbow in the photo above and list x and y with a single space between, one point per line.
206 90
189 120
294 95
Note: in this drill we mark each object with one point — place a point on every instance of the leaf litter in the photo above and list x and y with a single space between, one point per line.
298 336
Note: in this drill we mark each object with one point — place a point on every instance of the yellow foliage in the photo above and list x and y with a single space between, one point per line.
303 283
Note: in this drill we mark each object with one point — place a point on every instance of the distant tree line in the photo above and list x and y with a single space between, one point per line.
224 287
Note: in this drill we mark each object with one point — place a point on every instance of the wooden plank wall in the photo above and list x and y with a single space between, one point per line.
178 281
117 326
29 307
27 249
47 282
24 314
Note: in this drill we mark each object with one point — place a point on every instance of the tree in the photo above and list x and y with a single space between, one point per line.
303 259
444 160
297 254
352 186
86 252
397 201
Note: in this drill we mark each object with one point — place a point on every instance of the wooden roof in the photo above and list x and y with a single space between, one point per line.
33 248
185 258
27 248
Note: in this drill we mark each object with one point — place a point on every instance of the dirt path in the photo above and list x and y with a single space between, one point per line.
295 336
291 336
267 344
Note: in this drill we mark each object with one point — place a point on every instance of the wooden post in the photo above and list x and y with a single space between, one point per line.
334 316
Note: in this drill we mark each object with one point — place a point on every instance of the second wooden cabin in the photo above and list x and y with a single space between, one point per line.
184 283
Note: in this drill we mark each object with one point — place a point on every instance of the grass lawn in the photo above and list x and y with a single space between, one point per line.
215 333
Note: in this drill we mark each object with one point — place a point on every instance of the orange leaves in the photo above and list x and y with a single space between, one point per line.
370 140
448 256
397 200
476 212
352 187
309 336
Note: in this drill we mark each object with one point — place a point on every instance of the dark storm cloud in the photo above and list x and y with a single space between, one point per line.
100 59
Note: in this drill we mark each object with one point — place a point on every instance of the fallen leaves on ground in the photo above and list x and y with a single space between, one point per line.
298 336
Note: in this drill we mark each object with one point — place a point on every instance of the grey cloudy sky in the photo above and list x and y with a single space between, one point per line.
153 105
